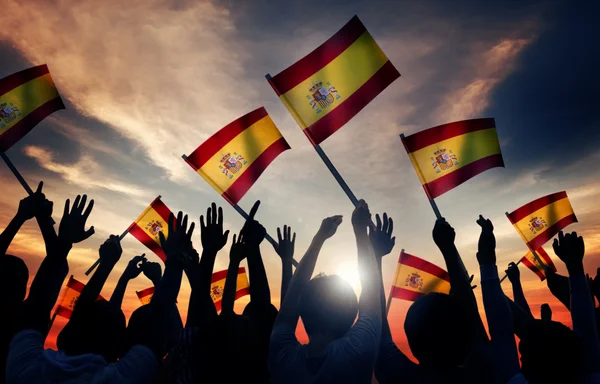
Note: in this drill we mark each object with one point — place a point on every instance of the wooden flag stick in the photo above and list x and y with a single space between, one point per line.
91 269
19 177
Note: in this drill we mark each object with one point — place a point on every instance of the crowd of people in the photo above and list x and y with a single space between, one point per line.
349 337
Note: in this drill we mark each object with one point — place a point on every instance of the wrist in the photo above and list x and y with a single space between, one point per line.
575 268
20 218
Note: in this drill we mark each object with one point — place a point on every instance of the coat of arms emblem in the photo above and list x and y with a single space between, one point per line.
322 96
443 160
217 292
414 280
231 164
8 114
154 227
536 224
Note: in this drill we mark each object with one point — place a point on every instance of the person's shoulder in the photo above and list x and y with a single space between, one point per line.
27 336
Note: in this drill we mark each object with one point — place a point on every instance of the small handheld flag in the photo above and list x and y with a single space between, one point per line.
149 224
72 292
533 263
217 286
145 295
538 221
416 277
330 85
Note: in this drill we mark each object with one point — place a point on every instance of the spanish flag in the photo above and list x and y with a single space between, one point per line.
448 155
531 262
149 224
232 159
26 98
416 277
217 286
145 295
329 86
72 292
538 221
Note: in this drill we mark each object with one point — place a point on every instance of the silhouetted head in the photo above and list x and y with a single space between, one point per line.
139 327
550 353
328 306
438 330
13 280
96 327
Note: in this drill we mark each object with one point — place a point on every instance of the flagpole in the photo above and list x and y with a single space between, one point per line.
533 252
505 276
90 269
19 177
389 300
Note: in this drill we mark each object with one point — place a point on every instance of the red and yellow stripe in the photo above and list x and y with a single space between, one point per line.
538 221
448 155
217 286
71 294
329 86
234 158
147 226
26 98
530 261
416 277
145 295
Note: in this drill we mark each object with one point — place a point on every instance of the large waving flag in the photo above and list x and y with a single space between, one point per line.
70 296
149 224
530 261
145 295
448 155
232 159
329 86
217 286
416 277
26 98
538 221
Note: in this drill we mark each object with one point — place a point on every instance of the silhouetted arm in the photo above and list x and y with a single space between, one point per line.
559 287
133 270
236 255
110 253
515 279
285 249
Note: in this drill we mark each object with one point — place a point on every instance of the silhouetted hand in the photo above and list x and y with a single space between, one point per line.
546 312
329 226
72 225
361 217
238 251
443 234
110 251
381 236
570 249
211 233
152 271
487 242
253 232
35 205
285 244
178 246
134 267
513 273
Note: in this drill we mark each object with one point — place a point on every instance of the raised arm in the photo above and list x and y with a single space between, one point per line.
49 279
201 310
254 233
559 287
236 255
133 270
497 310
515 279
285 249
153 271
570 248
443 236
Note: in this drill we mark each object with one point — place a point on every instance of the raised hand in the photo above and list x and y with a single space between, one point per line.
72 226
178 246
152 271
329 226
254 232
135 267
381 236
514 276
285 244
35 205
211 233
110 251
570 249
546 312
487 242
361 217
443 234
238 251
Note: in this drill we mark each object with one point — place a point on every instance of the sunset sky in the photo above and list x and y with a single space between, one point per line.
146 81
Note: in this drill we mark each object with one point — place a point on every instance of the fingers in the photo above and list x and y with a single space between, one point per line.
226 235
279 238
209 216
561 237
556 247
202 225
184 223
254 209
88 210
386 222
39 188
76 202
390 227
191 229
67 208
179 222
82 204
294 238
161 236
289 233
170 223
220 217
378 222
214 212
